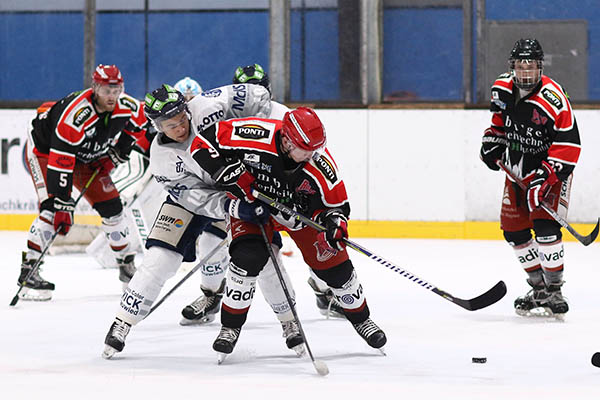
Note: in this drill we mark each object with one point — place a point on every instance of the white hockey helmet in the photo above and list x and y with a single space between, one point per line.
189 87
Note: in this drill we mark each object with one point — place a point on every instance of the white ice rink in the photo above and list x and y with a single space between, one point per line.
52 349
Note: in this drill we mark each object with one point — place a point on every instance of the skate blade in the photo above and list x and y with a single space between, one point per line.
300 350
540 312
28 294
108 352
221 357
207 319
382 351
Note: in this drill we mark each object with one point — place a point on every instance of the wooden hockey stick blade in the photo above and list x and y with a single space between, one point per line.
487 299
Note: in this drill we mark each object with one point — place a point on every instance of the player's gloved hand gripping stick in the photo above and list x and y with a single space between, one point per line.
585 240
488 298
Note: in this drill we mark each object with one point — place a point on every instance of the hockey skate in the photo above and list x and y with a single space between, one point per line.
204 309
35 288
542 301
115 338
225 342
293 337
326 302
371 333
126 267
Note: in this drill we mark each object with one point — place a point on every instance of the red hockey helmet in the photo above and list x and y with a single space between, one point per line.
304 129
107 75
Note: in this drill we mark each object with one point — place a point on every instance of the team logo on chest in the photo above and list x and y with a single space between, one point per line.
538 119
305 188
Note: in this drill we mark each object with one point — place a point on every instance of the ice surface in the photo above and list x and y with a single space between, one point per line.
52 349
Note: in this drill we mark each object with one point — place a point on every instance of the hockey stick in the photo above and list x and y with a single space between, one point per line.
185 278
319 365
39 260
585 240
486 299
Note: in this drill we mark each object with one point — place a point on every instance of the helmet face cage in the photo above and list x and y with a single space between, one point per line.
164 103
526 63
252 74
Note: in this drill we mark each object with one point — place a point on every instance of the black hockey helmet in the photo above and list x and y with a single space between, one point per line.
529 54
164 103
252 74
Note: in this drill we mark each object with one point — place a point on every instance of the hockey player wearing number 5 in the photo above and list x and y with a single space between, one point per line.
535 134
286 160
87 130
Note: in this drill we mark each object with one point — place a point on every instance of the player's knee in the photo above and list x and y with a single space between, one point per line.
109 208
517 238
546 231
337 276
249 254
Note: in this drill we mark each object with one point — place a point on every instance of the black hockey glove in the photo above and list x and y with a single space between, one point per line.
110 160
493 146
540 185
249 212
336 229
236 180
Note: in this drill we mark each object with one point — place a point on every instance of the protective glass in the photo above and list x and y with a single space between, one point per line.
108 90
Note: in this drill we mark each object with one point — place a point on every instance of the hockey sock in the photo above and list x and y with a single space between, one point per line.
159 265
528 257
271 288
551 257
39 234
239 292
117 233
213 271
351 298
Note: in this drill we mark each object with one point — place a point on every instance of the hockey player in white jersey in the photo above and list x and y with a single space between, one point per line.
192 204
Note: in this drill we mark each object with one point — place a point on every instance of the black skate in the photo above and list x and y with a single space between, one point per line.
204 309
35 288
372 334
225 342
115 338
542 301
556 303
326 302
126 267
293 337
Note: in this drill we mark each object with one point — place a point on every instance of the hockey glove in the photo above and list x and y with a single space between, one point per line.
110 160
493 146
63 215
249 212
336 230
540 185
236 180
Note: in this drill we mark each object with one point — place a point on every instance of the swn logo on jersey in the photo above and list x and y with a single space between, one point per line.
82 115
251 132
171 220
129 103
326 168
305 188
240 296
538 119
553 98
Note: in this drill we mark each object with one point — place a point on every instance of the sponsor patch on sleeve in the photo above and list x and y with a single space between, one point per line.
552 97
328 170
81 116
128 103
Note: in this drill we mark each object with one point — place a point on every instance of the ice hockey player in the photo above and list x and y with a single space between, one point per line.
192 204
86 130
286 160
534 132
189 87
326 302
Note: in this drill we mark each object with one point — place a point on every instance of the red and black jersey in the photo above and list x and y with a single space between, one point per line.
540 126
72 131
311 187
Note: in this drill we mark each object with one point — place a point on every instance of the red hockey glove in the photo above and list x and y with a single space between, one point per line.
540 185
336 230
249 212
493 146
63 215
236 180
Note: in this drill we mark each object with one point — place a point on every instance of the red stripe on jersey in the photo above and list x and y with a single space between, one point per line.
564 152
333 193
563 120
66 132
507 84
226 132
497 120
61 161
143 143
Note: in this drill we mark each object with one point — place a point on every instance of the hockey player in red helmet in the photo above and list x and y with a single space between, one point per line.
67 143
288 161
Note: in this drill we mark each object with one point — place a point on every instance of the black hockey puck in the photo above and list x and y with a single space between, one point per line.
481 360
596 360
